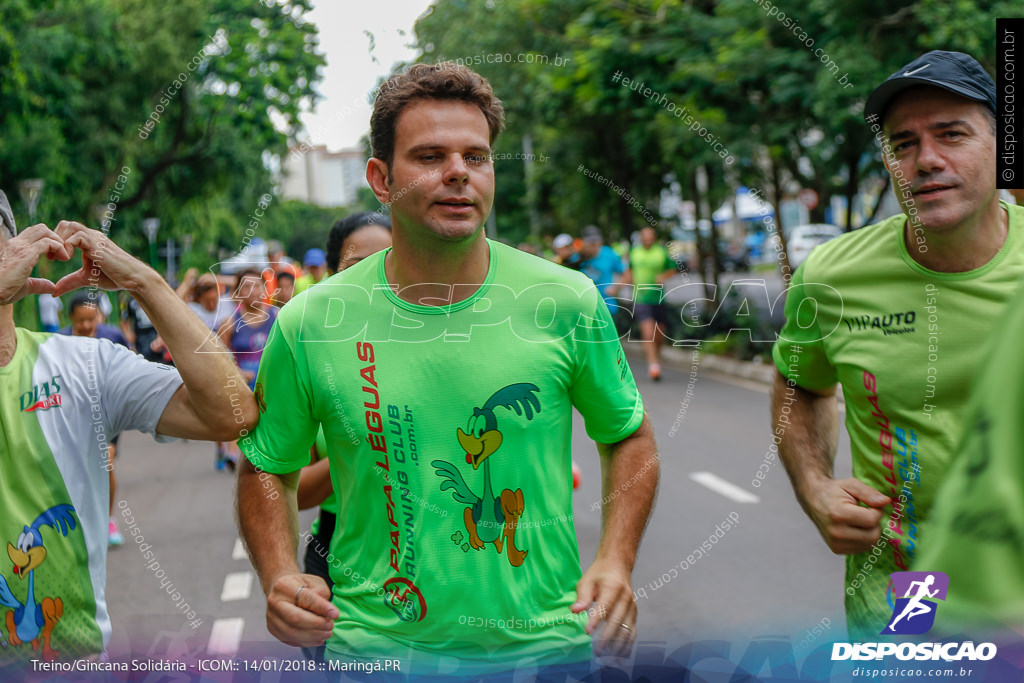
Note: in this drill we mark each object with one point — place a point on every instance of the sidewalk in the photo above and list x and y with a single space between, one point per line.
681 358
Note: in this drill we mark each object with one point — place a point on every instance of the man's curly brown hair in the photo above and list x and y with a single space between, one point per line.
442 81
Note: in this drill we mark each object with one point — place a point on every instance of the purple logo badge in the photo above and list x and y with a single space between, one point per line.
912 596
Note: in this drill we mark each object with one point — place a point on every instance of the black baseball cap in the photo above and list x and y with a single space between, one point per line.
7 216
956 72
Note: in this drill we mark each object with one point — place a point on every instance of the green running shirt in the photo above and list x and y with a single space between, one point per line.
976 532
647 265
448 431
61 400
903 342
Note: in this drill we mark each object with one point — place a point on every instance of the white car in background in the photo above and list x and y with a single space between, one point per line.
804 238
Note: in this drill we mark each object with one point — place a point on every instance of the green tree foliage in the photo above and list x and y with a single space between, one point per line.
780 84
188 101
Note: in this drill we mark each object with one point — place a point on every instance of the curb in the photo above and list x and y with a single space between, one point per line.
682 359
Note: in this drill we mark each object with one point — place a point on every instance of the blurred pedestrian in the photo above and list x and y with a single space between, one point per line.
893 312
206 301
245 333
650 267
139 330
284 288
564 251
49 312
355 237
315 264
87 320
602 265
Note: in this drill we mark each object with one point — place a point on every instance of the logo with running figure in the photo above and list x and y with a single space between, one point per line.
912 597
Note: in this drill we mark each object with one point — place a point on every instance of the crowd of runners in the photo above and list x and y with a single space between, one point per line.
320 405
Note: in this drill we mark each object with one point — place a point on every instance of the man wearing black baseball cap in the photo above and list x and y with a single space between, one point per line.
894 313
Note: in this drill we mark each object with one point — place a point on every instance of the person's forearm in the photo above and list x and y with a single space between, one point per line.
314 484
215 384
807 426
268 520
629 478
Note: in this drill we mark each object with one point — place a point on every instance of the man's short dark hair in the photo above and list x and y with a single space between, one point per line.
341 230
285 275
443 81
84 298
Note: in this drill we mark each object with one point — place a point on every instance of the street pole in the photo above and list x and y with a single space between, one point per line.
30 189
151 225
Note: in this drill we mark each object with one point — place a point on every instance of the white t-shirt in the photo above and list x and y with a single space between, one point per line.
213 319
61 400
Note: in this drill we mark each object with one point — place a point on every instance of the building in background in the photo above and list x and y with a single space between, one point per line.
314 175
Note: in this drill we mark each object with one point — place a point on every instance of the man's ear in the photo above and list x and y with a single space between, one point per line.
377 177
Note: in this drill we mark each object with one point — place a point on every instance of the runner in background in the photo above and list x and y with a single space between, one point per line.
139 330
351 239
207 302
315 264
204 298
245 333
49 312
280 264
650 267
565 251
284 288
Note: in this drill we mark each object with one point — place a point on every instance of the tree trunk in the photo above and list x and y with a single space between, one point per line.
878 204
776 201
852 182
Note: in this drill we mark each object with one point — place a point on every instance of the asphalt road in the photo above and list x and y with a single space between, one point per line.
769 574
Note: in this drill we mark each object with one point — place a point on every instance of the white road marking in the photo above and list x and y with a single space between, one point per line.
225 636
724 488
237 586
238 552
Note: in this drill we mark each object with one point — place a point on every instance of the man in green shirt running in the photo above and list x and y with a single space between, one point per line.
894 312
444 372
650 267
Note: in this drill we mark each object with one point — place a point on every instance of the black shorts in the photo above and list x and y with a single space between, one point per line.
658 312
317 550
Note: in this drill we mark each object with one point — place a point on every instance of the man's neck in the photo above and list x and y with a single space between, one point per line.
8 336
437 273
966 248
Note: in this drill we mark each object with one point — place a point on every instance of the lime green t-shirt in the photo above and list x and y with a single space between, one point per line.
975 534
647 265
449 432
330 503
903 342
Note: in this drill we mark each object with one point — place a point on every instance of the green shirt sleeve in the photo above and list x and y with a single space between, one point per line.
280 443
799 351
603 388
976 531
